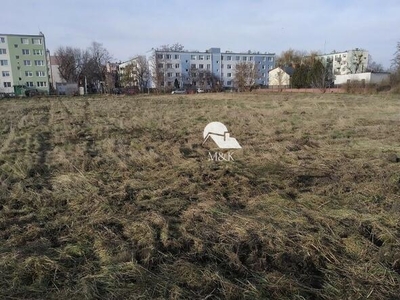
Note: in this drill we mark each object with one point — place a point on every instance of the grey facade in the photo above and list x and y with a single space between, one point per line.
183 66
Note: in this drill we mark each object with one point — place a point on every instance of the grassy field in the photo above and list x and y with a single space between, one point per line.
115 198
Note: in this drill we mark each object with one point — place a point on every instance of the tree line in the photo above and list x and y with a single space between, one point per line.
83 65
89 65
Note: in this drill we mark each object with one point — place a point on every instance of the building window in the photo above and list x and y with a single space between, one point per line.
208 57
28 73
201 57
41 83
169 74
208 67
7 84
251 58
25 51
229 57
5 73
2 40
160 66
29 83
270 59
16 56
237 58
36 41
264 58
24 41
27 62
37 52
40 73
270 67
3 51
229 66
3 62
244 58
177 74
160 56
169 66
193 57
263 67
39 62
193 66
229 82
201 66
263 74
168 56
229 75
176 56
177 66
15 46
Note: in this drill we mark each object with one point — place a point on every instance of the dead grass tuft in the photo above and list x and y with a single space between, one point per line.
114 198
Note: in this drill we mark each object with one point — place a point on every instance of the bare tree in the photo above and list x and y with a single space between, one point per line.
373 66
357 64
175 47
76 64
158 69
95 61
395 76
70 63
143 72
396 58
290 58
246 75
111 76
279 76
318 75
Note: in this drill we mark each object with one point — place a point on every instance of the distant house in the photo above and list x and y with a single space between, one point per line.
369 77
279 77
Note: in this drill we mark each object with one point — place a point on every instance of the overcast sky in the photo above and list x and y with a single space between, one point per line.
130 27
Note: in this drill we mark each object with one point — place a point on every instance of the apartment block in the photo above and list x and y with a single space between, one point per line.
346 62
23 63
187 67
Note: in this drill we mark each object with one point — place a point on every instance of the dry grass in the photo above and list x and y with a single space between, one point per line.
114 198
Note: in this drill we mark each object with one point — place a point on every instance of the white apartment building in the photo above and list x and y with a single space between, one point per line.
347 62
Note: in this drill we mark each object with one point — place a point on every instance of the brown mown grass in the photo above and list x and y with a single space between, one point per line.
114 198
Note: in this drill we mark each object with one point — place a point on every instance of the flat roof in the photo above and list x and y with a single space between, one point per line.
209 52
30 35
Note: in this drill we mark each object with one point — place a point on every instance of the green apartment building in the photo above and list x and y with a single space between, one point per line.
23 63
